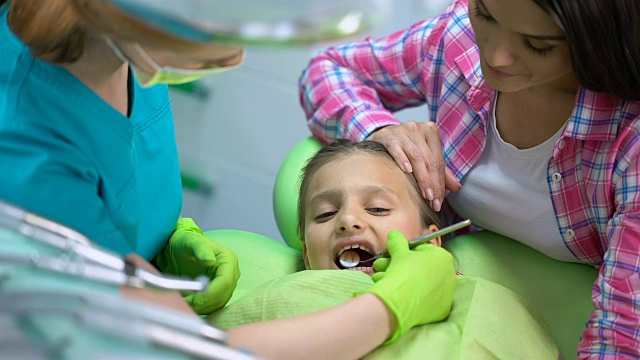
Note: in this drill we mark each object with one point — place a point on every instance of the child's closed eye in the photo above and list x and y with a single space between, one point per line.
324 216
378 210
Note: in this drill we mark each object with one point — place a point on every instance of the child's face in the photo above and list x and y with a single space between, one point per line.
355 201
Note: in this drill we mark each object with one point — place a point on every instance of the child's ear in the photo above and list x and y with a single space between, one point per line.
432 228
304 255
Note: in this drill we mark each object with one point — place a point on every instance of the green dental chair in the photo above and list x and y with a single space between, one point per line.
560 292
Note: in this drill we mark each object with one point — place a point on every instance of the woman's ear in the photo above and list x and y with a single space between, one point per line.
437 241
304 256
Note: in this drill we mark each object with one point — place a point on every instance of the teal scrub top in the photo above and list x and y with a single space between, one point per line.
69 156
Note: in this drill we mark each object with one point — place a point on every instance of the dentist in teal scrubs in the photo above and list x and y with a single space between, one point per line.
88 141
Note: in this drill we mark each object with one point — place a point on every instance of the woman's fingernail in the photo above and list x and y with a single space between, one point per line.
437 205
407 167
429 194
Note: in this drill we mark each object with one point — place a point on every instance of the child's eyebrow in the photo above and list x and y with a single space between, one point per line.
324 196
379 189
330 194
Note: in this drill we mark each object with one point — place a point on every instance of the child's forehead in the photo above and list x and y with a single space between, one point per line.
365 157
358 167
356 161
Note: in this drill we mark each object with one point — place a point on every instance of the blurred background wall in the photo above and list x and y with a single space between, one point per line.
235 129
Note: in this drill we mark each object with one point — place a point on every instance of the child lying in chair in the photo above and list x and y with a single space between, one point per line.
351 196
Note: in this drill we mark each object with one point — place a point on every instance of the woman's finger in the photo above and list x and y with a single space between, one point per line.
420 154
435 164
395 148
451 181
416 148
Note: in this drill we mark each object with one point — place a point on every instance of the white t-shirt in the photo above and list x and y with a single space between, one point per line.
506 192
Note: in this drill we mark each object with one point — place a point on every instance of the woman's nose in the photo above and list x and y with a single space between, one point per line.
498 50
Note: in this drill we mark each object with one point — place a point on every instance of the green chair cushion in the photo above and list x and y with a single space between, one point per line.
287 189
261 259
560 291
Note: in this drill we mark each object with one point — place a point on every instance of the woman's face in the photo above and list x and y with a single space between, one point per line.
354 201
520 45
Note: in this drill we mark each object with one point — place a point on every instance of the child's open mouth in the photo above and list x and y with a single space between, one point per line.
355 257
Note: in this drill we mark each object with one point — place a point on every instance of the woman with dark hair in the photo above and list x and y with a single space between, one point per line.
535 121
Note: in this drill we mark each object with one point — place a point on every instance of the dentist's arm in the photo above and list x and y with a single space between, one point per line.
347 331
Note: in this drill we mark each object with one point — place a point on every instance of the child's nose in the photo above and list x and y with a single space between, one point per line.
347 227
348 222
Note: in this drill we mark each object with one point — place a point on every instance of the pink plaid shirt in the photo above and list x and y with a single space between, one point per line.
593 176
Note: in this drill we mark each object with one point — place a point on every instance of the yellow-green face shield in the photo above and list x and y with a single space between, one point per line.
168 74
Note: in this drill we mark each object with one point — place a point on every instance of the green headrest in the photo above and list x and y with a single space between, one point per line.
287 188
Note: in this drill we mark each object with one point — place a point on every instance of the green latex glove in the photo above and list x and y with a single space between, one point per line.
416 285
190 253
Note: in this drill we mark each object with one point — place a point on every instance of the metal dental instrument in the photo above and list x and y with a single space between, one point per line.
140 331
25 300
106 275
29 224
257 22
56 235
412 243
79 246
144 332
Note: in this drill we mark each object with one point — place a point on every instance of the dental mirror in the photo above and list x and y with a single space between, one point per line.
258 22
350 261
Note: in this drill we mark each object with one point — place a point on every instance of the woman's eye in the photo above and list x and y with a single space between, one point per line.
536 50
325 215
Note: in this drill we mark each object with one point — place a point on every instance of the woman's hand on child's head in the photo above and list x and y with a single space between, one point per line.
416 147
416 285
190 253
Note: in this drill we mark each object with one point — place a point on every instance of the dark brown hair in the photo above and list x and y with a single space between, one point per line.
604 41
341 148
